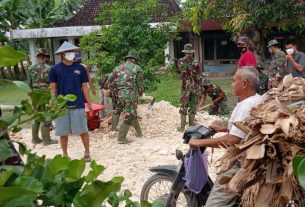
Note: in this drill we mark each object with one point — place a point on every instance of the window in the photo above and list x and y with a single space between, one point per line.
209 48
226 49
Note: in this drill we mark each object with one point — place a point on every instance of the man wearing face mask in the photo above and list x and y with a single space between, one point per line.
295 60
37 76
247 57
277 69
70 77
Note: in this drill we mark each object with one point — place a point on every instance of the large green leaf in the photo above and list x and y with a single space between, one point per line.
94 194
58 163
296 163
29 183
10 57
95 171
301 173
23 86
76 169
40 98
5 150
5 176
16 196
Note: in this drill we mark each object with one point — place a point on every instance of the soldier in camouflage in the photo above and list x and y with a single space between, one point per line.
37 76
219 101
277 69
126 81
263 79
190 88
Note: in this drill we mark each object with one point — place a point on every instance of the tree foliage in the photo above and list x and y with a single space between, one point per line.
125 25
239 15
16 14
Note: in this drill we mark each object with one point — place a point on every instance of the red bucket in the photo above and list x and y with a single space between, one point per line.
93 119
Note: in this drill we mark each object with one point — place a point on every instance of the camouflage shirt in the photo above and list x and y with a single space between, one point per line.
214 92
190 74
127 80
277 68
38 76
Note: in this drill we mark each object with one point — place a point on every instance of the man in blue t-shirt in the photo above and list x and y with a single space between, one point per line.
69 77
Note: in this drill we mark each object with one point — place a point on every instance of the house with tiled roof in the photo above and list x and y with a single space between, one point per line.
81 24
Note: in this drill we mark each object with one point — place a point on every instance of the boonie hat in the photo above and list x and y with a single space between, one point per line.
42 51
131 54
65 47
188 48
272 42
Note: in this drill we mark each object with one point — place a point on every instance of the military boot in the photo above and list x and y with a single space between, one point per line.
136 125
114 122
191 119
122 134
45 135
182 124
35 132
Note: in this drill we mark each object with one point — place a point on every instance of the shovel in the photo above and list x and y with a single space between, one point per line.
204 107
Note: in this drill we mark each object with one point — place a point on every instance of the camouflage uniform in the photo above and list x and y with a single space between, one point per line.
277 68
127 81
219 107
190 76
38 76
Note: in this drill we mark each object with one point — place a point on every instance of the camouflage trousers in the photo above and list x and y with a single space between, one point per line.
129 106
188 103
220 108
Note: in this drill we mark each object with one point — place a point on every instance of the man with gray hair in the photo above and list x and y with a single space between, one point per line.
244 86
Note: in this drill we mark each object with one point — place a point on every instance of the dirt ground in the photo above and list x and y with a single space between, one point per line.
132 161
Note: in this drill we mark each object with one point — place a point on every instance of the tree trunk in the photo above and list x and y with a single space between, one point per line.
10 73
2 73
16 72
257 46
22 69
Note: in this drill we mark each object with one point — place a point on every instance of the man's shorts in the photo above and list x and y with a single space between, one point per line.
73 122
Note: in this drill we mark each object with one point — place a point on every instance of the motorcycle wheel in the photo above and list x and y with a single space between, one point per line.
158 186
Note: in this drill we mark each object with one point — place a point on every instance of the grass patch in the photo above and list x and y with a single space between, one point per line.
11 95
169 90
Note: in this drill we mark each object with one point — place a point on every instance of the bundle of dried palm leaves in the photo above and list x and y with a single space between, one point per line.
275 134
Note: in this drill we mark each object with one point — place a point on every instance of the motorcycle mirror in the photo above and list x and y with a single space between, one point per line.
179 154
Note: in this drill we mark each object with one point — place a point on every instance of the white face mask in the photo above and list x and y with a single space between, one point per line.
69 56
290 51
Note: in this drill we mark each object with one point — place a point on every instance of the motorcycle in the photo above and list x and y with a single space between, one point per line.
168 184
